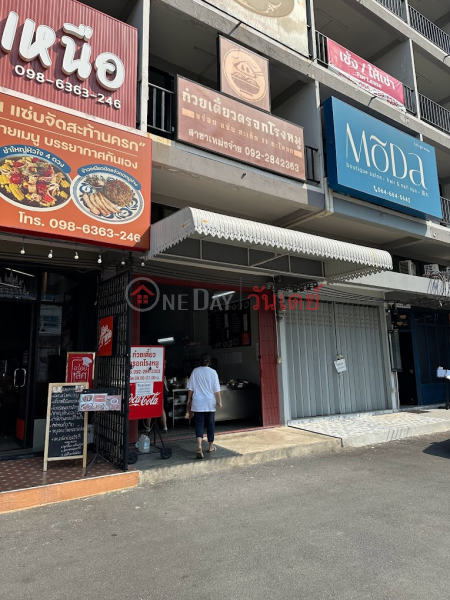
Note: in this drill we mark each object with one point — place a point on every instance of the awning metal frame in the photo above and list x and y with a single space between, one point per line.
339 261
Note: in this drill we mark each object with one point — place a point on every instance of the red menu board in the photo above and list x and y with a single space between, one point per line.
80 367
146 382
73 178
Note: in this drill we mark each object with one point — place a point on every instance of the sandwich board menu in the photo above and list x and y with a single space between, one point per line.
66 430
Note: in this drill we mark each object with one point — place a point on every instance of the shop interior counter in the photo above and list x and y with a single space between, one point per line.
239 403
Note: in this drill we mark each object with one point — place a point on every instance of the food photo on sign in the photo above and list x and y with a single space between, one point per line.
66 177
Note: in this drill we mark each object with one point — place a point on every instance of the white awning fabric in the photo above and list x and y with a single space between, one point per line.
342 261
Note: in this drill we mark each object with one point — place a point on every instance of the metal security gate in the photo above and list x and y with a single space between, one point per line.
314 339
114 371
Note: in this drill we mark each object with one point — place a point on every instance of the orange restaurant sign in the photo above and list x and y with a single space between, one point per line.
73 178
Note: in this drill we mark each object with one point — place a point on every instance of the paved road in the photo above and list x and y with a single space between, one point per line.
364 524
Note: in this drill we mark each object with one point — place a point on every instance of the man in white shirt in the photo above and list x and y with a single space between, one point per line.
204 393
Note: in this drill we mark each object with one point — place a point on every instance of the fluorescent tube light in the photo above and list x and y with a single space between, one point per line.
222 294
20 272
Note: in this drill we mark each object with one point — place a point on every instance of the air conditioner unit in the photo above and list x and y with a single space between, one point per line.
407 267
431 270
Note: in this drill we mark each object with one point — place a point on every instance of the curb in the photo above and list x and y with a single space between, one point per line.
194 468
394 434
62 492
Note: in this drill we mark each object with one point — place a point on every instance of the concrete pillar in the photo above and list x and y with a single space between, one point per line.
303 108
140 18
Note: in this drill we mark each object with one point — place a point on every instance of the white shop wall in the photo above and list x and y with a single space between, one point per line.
232 363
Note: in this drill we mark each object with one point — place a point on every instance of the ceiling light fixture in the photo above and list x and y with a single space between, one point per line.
50 254
76 257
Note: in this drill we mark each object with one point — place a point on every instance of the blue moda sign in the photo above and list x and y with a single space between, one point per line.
378 163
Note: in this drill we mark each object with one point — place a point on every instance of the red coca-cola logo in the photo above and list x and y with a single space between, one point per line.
150 400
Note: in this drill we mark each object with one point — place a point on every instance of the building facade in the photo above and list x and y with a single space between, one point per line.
299 165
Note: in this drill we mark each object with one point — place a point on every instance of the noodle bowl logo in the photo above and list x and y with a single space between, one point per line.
268 8
244 75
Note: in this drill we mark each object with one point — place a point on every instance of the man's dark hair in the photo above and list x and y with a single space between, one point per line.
205 360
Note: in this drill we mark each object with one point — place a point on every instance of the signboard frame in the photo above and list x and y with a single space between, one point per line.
354 69
369 159
154 411
90 355
48 458
71 72
286 22
225 46
89 160
263 156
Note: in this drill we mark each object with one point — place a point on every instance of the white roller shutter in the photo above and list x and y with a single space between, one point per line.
313 341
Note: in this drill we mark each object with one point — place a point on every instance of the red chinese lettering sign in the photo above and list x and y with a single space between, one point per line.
146 382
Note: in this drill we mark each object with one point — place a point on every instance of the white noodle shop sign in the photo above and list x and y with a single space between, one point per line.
217 123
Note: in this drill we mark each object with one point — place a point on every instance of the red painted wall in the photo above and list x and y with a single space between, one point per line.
270 397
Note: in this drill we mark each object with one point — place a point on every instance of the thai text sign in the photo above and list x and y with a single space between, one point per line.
283 20
106 336
244 74
69 54
220 124
365 75
146 382
80 367
70 178
376 162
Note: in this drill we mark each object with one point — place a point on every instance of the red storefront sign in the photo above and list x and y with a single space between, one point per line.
106 336
146 382
73 178
80 367
70 54
365 75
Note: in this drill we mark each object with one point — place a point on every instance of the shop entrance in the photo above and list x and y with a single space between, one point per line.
15 361
189 321
407 385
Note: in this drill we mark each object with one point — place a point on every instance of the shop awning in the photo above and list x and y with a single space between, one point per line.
341 261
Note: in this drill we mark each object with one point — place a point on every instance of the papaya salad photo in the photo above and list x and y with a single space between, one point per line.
33 182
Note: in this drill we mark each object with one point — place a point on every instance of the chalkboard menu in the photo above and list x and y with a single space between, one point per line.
66 433
230 328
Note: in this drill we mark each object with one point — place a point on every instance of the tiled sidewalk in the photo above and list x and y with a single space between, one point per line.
376 429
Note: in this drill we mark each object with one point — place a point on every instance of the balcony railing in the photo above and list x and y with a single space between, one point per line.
434 114
311 172
429 30
161 107
160 110
322 58
322 48
395 6
410 100
445 203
